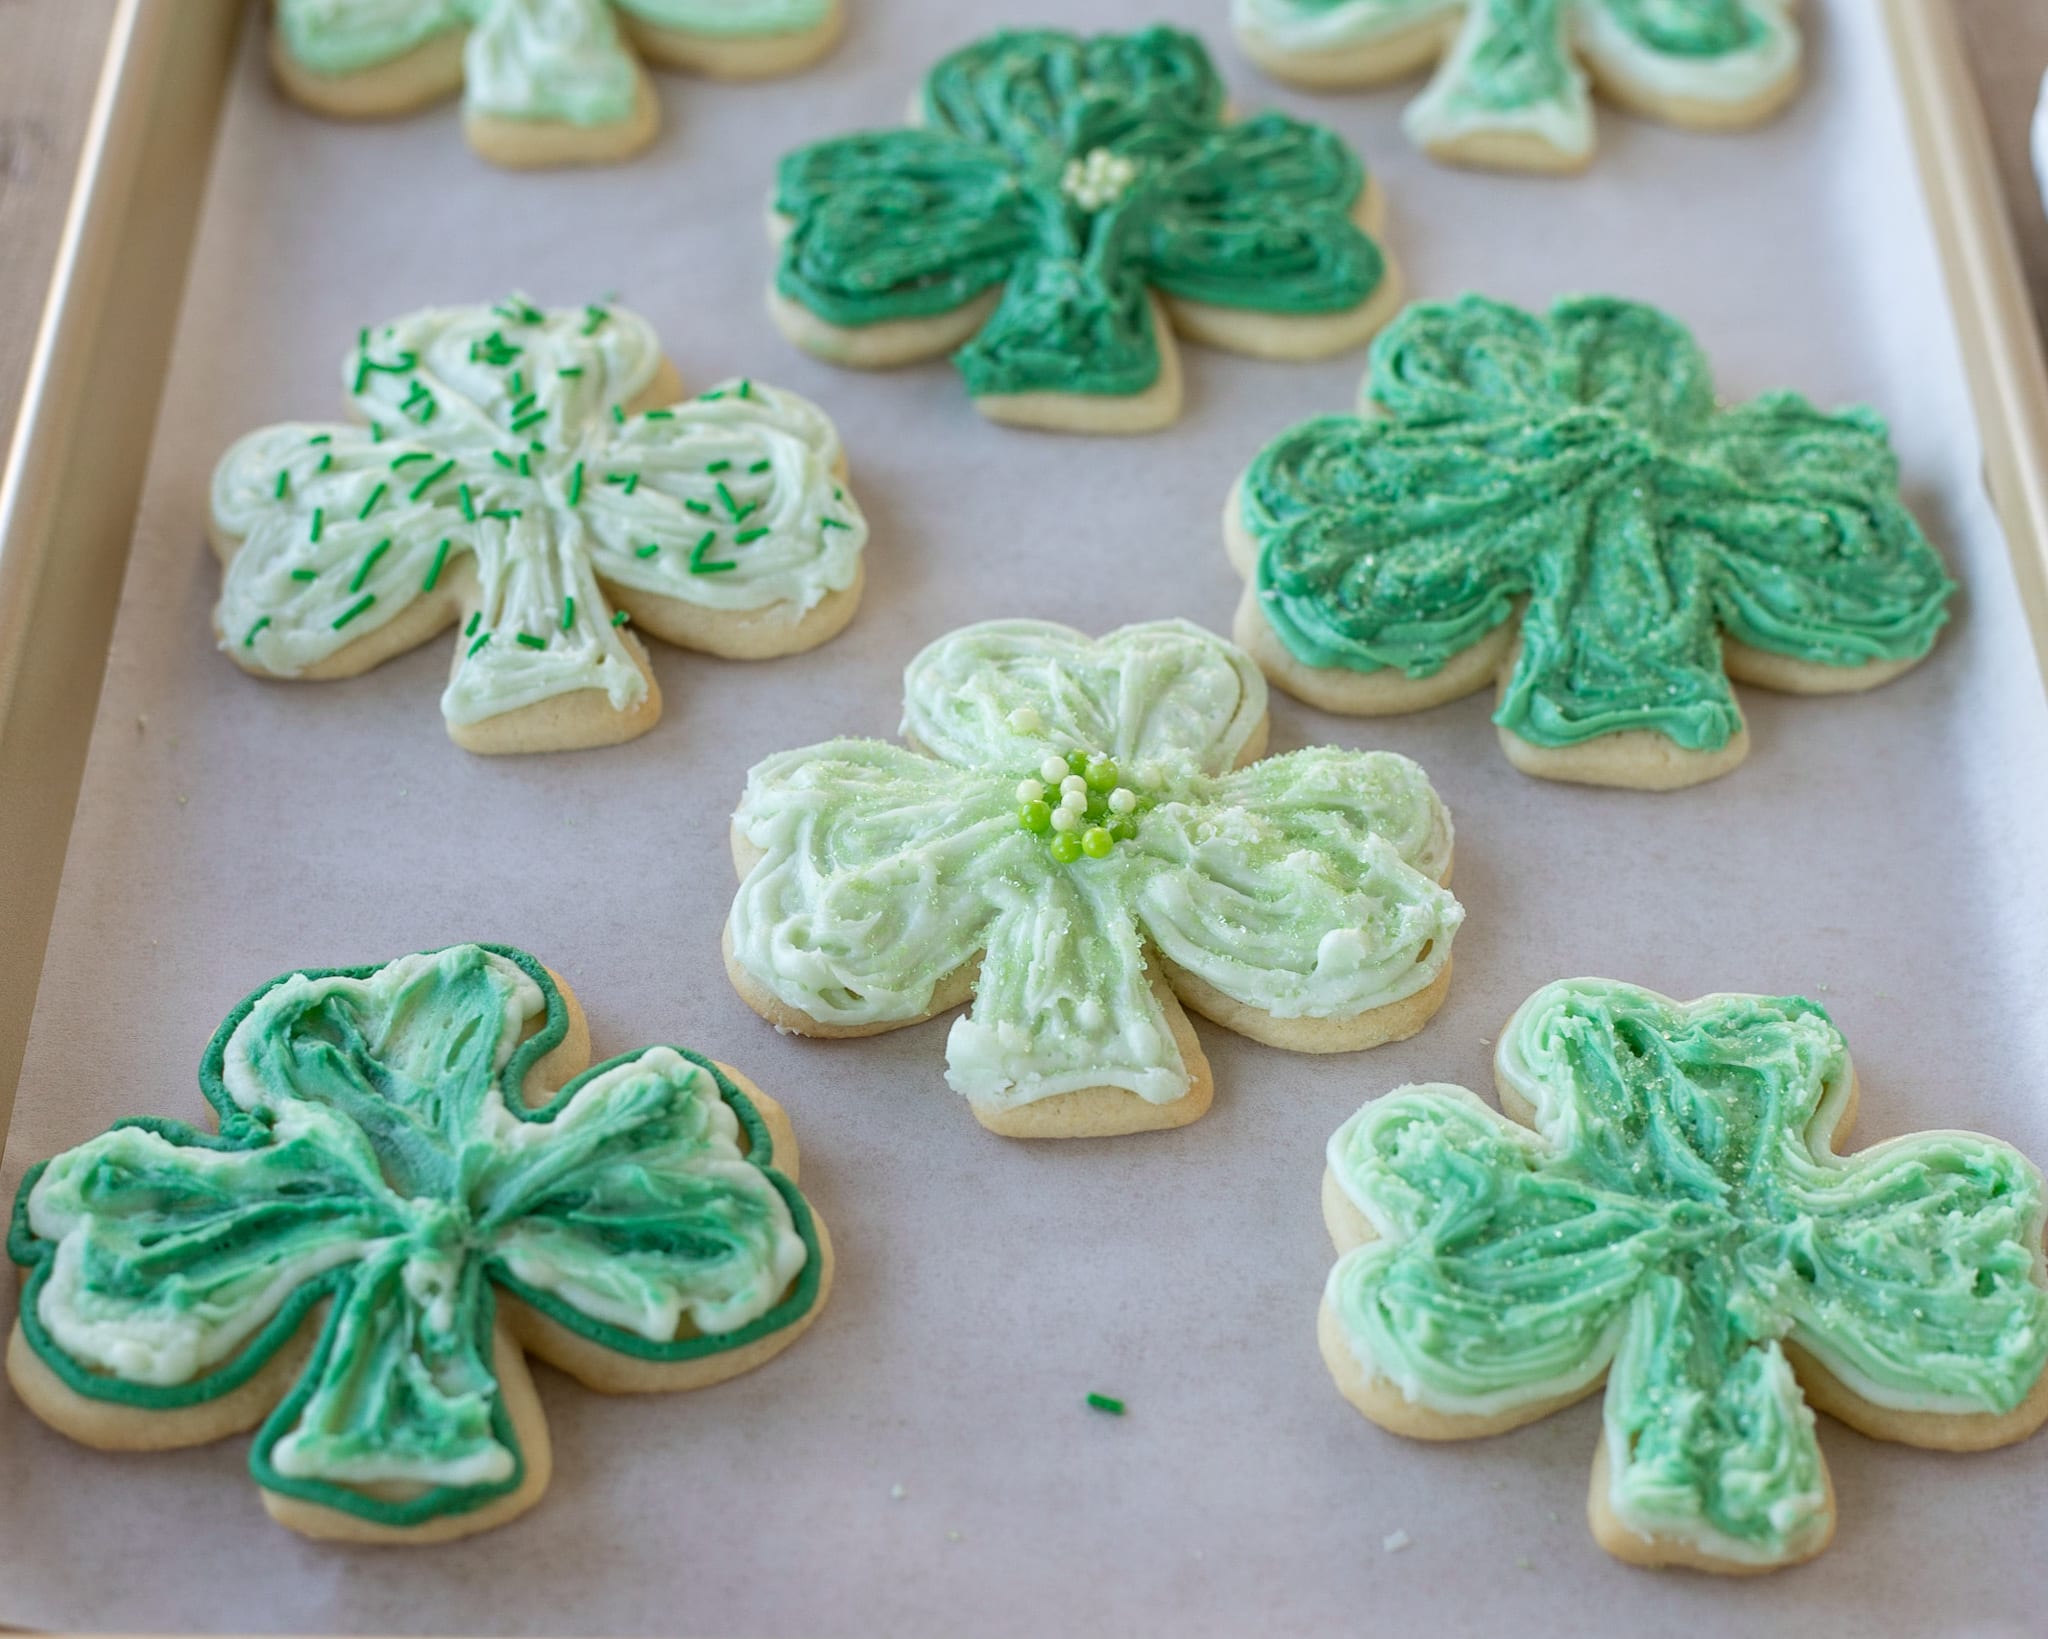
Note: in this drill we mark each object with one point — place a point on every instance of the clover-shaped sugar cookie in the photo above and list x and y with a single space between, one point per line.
1061 207
543 82
400 1207
529 477
1558 500
1665 1209
1081 840
1509 91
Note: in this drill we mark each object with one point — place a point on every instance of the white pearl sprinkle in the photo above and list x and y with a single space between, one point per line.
1122 800
1074 802
1065 819
1073 783
1025 721
1053 770
1029 790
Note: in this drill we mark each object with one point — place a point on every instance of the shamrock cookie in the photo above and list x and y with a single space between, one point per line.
530 478
1082 840
1508 92
543 82
1558 501
1060 208
1670 1214
399 1208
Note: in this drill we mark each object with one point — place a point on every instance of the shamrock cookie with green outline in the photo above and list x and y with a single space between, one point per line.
1662 1207
1083 839
535 480
416 1184
1059 208
543 82
1510 92
1557 500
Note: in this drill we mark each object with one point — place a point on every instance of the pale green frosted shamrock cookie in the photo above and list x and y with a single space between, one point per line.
398 1208
1666 1210
530 478
543 82
1509 90
1558 501
1060 208
1082 838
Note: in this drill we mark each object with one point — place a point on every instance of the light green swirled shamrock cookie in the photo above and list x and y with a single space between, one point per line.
398 1208
543 82
1081 838
1510 92
530 478
1666 1210
1059 209
1557 500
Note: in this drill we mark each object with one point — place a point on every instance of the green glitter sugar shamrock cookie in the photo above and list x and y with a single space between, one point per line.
1557 501
543 82
1509 91
536 480
1662 1206
1083 839
1059 208
415 1185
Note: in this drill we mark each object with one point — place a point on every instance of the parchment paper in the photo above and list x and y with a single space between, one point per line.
1882 853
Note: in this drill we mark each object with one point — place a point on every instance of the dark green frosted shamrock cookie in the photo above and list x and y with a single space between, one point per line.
1662 1206
1558 501
399 1207
1060 207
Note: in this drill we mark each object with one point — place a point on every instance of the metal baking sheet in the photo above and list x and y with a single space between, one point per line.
1881 853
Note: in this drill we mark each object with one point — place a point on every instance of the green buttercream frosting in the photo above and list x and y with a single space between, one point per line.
558 60
1511 67
1675 1219
1073 803
376 1154
1073 175
1578 461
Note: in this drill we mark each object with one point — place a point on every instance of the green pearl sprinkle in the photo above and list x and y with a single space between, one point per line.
1066 847
369 562
1101 774
1096 842
1035 817
434 571
1077 761
531 641
354 609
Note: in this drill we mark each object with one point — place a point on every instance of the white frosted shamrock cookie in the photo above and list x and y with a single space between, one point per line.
1082 839
1509 90
416 1184
1557 501
536 480
1059 209
1662 1207
543 82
